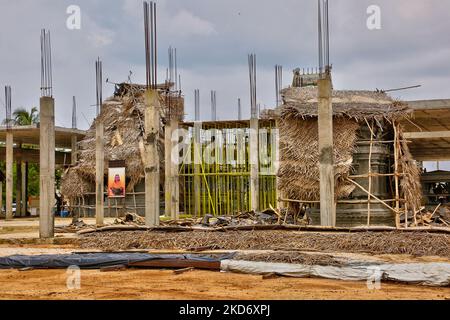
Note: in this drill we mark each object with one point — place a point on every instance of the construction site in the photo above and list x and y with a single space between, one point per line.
325 195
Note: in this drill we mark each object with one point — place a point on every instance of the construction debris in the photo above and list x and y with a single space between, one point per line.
395 242
290 257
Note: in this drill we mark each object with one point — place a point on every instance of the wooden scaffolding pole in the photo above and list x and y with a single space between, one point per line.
370 173
397 193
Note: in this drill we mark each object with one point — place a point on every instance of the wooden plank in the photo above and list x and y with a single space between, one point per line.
178 264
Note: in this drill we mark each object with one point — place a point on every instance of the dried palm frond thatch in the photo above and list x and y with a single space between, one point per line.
299 153
123 120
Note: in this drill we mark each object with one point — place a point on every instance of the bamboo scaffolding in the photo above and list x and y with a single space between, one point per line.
397 195
370 172
339 201
374 174
397 211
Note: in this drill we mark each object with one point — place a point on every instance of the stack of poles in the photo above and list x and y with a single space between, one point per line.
152 119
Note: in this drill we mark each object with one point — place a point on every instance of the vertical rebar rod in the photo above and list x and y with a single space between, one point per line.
46 64
99 84
252 75
278 84
323 36
74 113
239 109
155 48
213 106
197 105
151 49
176 70
8 106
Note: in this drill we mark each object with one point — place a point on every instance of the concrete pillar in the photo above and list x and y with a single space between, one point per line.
24 188
99 174
9 175
254 164
171 189
167 170
197 168
175 184
47 168
18 189
74 153
152 124
326 162
1 196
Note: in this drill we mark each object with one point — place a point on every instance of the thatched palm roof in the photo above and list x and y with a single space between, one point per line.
123 119
299 150
302 102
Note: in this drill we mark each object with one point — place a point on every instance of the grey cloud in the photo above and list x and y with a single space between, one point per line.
213 38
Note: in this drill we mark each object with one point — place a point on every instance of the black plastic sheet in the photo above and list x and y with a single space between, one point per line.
97 260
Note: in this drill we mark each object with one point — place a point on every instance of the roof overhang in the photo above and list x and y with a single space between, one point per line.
30 135
429 130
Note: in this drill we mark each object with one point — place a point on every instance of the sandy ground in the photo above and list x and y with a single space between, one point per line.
196 285
28 228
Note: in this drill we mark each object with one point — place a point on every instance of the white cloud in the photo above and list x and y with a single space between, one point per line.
101 38
187 24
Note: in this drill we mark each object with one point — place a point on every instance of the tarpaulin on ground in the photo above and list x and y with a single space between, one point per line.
430 274
97 260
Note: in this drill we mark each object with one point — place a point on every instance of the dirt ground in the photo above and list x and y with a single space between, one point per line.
196 285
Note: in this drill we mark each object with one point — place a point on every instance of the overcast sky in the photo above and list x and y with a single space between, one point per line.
213 38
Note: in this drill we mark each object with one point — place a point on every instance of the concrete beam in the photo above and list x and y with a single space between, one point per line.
32 155
436 104
427 135
326 162
47 168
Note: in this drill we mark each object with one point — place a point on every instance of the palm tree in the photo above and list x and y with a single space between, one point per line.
21 117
